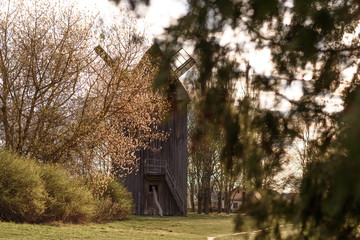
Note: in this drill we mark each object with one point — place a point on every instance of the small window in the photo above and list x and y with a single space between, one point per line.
235 205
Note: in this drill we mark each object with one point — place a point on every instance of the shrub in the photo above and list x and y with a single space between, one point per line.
115 204
22 192
33 192
68 199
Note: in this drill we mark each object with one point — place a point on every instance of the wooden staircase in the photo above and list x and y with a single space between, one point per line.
158 168
170 182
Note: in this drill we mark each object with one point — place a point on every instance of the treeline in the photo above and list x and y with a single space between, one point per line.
218 163
208 179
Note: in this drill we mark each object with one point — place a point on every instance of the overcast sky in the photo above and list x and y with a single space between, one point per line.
160 13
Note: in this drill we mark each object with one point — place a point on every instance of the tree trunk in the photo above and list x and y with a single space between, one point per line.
226 202
243 199
206 201
210 199
207 189
200 199
192 201
219 202
7 130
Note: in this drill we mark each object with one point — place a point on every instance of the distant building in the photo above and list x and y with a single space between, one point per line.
237 196
236 200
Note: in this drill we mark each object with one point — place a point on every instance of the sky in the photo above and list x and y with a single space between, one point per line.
159 15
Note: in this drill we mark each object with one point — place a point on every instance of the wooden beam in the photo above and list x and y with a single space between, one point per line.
101 52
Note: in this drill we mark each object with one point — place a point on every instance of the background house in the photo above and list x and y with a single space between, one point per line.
236 200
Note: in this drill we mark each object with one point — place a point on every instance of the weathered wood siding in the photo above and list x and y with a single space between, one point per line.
174 154
170 174
175 151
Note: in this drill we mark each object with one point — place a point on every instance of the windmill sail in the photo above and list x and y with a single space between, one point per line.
101 52
182 62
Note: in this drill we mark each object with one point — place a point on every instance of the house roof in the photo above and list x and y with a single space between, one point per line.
237 194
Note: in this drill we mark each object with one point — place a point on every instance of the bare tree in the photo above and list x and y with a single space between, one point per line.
60 102
46 81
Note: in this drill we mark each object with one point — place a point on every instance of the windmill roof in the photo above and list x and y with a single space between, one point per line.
155 65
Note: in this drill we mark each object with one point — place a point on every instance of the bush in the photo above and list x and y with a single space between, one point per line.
32 192
68 200
22 192
115 204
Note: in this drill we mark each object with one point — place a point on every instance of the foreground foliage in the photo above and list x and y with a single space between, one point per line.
115 203
68 200
22 192
35 193
314 46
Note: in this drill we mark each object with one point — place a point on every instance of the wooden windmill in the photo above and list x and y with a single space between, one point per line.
160 185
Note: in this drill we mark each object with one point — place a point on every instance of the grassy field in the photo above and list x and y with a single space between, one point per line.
139 227
193 226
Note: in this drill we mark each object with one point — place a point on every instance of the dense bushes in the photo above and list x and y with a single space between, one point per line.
68 200
22 192
32 192
115 204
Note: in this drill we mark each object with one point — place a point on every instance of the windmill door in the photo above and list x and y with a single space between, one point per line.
150 206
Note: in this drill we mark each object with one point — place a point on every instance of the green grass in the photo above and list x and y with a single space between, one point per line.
193 226
286 231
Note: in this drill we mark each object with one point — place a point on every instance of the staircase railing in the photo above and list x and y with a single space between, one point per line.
155 166
158 166
174 191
